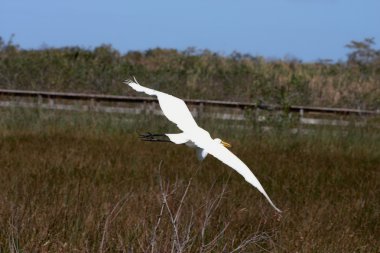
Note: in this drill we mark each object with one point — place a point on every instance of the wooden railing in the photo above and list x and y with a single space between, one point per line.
128 99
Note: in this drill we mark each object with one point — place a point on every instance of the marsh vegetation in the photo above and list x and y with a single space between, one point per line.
84 182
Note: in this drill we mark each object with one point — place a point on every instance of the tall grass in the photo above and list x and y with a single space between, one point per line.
84 182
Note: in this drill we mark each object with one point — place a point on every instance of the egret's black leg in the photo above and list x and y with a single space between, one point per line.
153 137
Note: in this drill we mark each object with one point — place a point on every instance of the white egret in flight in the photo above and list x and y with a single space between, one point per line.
194 136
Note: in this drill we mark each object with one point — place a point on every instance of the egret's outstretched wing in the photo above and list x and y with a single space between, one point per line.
227 157
173 108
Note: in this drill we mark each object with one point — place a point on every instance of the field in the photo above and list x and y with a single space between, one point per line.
84 182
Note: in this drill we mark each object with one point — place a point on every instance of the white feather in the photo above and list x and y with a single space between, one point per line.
181 138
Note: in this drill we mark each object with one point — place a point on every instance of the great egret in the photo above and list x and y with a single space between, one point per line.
194 136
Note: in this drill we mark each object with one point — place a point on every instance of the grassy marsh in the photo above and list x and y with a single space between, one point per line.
84 182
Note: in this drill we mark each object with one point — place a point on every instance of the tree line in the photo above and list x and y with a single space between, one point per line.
201 74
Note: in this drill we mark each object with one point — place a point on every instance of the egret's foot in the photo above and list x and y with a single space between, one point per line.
153 137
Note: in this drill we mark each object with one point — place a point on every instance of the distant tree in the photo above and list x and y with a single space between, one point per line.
363 51
8 46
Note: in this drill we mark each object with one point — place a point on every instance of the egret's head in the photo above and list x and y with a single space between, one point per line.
219 141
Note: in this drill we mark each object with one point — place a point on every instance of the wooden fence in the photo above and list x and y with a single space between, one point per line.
53 100
128 99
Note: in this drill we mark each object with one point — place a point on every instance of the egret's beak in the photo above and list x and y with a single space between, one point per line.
227 145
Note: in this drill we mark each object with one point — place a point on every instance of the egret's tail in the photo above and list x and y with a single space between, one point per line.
137 87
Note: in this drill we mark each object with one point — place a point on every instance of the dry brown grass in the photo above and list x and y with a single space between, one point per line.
68 188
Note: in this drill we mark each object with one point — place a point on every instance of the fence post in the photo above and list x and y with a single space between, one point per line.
300 125
301 113
39 99
92 104
200 110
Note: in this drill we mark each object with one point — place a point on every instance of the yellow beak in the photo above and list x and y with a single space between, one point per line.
227 145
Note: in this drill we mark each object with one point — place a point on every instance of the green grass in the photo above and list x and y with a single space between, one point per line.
84 182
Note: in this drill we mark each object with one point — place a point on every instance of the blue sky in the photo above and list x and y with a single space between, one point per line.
305 29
